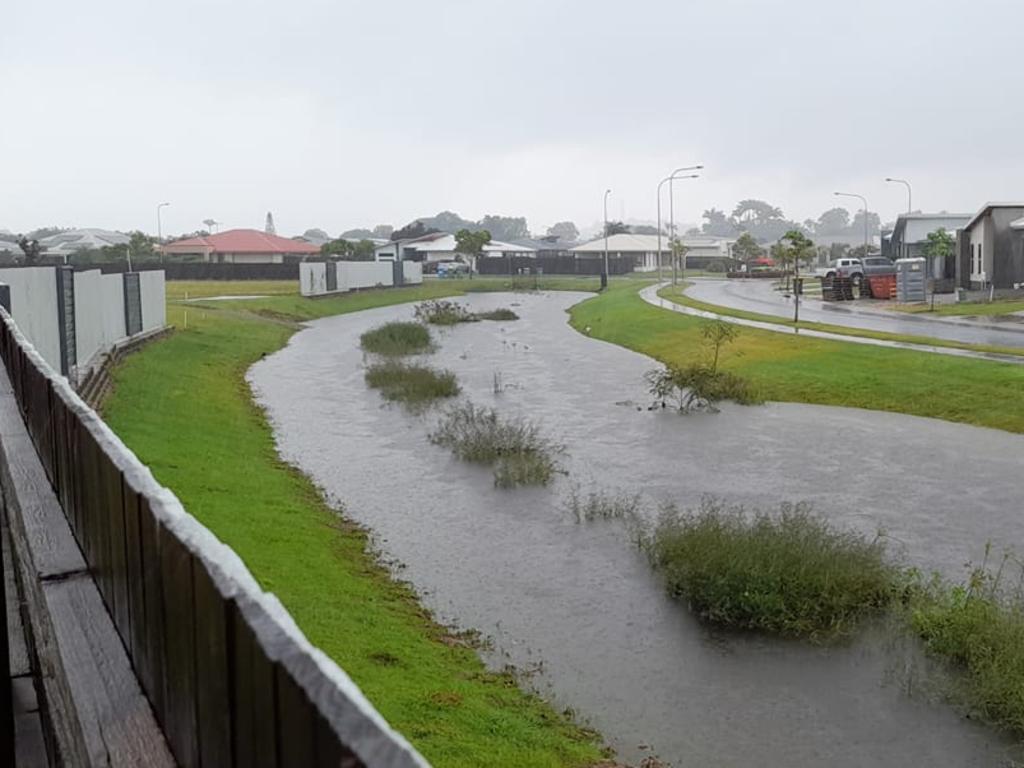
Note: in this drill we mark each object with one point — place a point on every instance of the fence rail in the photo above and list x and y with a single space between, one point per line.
231 680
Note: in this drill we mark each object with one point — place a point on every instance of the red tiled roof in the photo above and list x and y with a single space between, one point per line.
240 241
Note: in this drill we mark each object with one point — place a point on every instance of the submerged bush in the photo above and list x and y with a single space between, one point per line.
788 572
698 386
396 338
979 626
414 385
442 312
514 445
502 313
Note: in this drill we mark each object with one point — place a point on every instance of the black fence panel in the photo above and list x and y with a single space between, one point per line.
229 682
554 265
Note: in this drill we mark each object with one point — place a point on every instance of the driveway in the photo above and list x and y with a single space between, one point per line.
759 296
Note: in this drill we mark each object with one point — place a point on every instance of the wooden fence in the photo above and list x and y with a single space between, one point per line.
231 680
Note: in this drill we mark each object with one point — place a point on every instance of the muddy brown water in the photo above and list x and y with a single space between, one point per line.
580 607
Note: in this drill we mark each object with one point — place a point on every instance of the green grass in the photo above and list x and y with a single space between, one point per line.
514 445
178 290
967 308
502 314
788 573
414 385
675 294
183 406
788 368
979 627
396 338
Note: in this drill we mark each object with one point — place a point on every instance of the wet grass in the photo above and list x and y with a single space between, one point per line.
514 445
396 339
787 572
182 404
966 308
413 385
979 627
786 368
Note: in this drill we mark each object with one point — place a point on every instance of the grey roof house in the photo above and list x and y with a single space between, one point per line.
910 236
990 248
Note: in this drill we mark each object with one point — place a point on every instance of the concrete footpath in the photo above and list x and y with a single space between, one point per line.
650 295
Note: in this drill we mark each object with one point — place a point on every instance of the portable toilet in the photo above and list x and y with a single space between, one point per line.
910 280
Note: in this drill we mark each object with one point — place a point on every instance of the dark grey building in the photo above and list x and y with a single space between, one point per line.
990 248
910 236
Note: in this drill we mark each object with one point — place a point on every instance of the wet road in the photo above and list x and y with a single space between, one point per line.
758 296
579 599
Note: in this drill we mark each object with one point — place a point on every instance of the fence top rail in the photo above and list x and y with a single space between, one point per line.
343 705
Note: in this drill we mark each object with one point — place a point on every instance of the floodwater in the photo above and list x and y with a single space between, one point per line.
577 604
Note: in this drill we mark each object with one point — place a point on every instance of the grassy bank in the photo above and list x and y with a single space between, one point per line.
793 369
675 294
183 406
966 309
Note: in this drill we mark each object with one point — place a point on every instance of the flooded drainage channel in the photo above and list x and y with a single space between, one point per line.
577 604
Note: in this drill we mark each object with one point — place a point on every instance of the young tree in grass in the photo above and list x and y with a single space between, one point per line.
471 244
799 248
678 252
940 244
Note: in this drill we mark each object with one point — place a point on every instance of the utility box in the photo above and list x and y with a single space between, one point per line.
911 279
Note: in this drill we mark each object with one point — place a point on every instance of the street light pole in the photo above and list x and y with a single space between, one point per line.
604 277
865 202
672 214
159 229
668 179
910 192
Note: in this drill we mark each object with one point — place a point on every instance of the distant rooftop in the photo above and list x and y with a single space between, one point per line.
240 241
81 240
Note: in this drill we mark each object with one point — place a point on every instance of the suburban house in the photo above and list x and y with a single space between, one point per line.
990 248
67 243
440 246
241 246
910 236
643 250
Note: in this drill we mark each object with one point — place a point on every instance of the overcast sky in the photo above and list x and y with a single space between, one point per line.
337 113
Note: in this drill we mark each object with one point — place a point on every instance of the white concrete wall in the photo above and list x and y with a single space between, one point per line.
364 274
154 299
312 278
112 291
89 336
412 272
34 308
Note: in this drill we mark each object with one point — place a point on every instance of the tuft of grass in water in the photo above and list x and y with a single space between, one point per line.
521 455
502 313
789 572
396 338
413 385
524 469
602 505
979 627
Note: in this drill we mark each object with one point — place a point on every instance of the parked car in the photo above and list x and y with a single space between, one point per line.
845 267
451 269
878 265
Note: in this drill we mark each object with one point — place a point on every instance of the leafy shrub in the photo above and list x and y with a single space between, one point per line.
521 455
788 572
414 385
396 338
979 626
